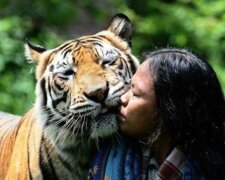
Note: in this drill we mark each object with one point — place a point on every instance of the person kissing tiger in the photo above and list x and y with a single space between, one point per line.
79 85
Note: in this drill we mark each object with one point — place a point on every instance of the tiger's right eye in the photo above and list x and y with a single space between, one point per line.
109 59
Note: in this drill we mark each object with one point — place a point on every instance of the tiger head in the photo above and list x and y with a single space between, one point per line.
79 83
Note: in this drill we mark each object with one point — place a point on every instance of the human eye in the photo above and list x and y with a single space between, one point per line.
135 93
135 89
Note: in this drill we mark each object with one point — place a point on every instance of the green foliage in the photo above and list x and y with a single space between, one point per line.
17 76
197 25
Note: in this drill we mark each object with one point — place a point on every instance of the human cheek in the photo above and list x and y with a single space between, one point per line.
131 112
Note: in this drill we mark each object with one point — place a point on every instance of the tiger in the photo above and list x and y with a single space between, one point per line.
78 89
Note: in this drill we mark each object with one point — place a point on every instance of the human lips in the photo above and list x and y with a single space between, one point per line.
121 115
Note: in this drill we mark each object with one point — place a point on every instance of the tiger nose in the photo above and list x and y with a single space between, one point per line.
98 95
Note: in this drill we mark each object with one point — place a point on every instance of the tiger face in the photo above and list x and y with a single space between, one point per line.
79 83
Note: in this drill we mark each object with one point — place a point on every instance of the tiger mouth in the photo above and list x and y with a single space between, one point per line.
105 113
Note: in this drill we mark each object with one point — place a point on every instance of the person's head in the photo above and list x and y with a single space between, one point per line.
138 111
188 103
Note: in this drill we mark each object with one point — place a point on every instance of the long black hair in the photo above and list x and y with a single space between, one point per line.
191 105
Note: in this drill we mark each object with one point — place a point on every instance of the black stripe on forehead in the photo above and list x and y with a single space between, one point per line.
98 44
66 45
90 39
66 52
61 49
102 36
66 48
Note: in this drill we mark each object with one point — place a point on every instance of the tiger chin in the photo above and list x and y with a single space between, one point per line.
79 85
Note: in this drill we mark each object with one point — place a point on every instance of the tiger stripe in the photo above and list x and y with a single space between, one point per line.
79 84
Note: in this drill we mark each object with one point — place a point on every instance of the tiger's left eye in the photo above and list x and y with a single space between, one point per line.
65 74
68 72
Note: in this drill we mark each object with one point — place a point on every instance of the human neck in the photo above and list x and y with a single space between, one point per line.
162 147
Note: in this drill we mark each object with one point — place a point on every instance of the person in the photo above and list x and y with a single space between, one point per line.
175 108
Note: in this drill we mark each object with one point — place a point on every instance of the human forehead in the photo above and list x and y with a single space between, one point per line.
143 77
143 71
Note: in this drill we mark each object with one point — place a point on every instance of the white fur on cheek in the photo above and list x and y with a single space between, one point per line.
41 114
104 126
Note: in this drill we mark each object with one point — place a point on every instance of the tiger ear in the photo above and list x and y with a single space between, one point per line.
120 25
33 52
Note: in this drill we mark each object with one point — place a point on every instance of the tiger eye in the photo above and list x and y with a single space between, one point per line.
68 72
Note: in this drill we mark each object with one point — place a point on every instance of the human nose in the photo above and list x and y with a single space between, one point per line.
124 99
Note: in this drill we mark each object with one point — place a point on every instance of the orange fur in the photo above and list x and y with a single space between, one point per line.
25 149
15 138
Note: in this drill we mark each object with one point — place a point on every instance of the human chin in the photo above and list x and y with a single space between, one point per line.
121 122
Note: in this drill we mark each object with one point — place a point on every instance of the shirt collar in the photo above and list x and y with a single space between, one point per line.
171 168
